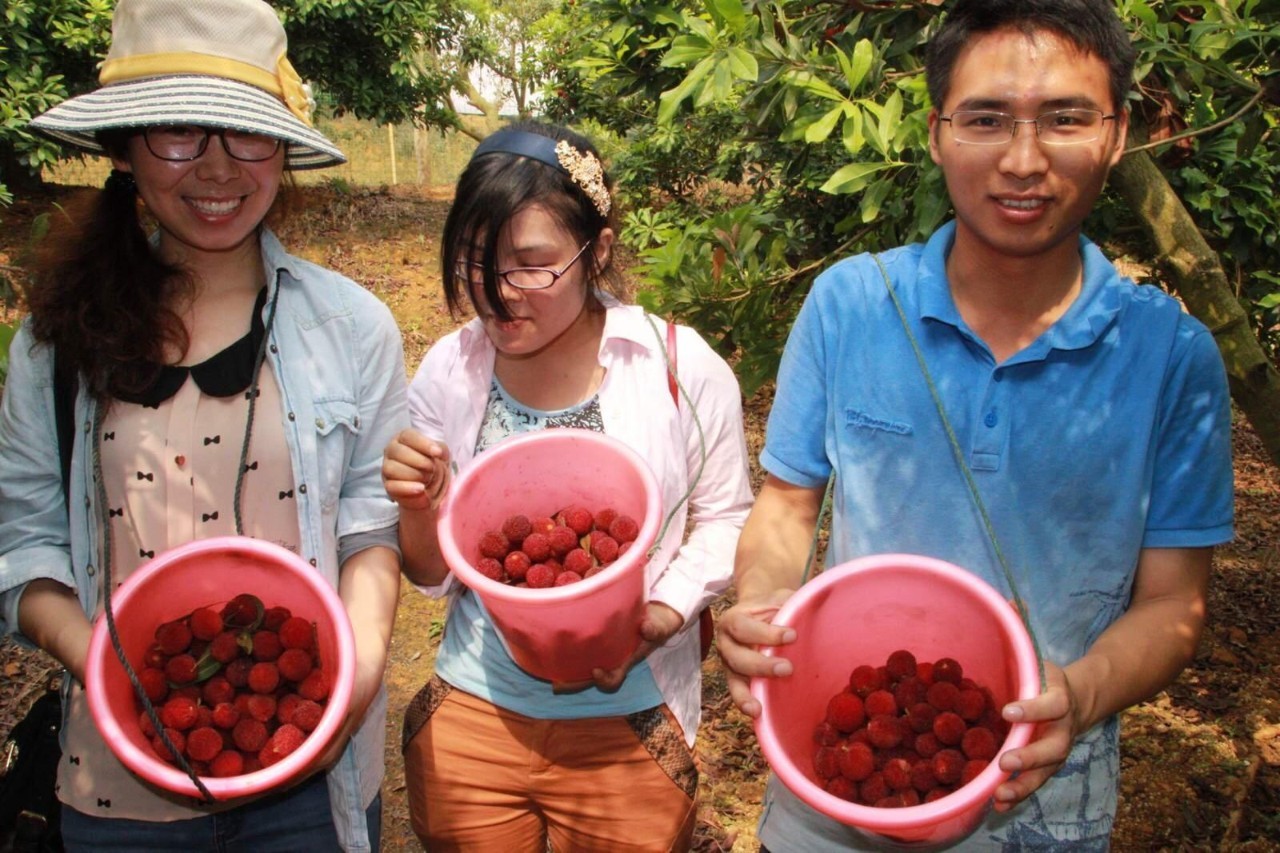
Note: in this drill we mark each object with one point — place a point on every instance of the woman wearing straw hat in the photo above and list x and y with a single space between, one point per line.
200 410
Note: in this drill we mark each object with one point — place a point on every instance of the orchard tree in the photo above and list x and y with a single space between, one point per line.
767 139
366 57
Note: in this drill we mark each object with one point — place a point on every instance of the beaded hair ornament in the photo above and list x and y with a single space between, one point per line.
583 167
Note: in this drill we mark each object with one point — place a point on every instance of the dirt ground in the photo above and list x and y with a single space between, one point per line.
1201 761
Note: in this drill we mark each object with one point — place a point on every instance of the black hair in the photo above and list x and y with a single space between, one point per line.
1092 25
494 188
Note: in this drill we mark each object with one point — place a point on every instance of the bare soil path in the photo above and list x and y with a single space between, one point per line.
1201 761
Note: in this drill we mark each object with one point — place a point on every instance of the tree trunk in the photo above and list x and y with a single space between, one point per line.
1200 281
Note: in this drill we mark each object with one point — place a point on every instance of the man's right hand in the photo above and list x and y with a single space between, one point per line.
739 631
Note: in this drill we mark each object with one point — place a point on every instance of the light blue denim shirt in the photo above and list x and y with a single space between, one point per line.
338 360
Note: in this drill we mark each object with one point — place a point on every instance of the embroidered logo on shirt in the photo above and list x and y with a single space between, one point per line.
855 418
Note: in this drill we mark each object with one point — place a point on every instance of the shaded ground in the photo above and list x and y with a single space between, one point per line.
1201 762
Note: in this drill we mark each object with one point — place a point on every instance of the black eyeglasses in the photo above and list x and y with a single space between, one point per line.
1057 127
521 278
179 142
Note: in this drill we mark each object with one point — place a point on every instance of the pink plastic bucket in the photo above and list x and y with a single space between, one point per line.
562 633
860 612
209 572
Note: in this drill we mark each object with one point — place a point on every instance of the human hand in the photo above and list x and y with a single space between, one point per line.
659 623
416 471
1054 713
739 631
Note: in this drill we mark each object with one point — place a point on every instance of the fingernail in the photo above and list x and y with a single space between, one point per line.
782 667
1011 764
789 635
1013 713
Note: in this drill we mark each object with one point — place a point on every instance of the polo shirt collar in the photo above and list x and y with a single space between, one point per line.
1092 313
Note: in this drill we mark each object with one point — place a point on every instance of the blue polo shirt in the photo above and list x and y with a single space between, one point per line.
1108 434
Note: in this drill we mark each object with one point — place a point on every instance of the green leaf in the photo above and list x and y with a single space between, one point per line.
670 100
743 64
860 64
730 13
853 177
821 129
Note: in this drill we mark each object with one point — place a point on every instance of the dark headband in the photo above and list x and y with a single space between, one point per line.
535 146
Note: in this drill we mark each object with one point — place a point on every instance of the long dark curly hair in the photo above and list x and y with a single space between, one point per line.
99 294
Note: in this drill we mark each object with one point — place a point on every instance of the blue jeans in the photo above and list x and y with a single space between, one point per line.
289 822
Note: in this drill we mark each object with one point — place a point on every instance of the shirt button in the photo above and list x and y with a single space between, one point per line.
991 420
292 416
312 561
998 376
90 570
302 490
319 423
274 349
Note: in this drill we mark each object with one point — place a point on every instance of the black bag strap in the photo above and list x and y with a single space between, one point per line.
64 403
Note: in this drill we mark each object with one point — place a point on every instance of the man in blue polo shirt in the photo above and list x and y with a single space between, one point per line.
1092 414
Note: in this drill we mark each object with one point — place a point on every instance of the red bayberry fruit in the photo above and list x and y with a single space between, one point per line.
173 637
865 680
216 691
826 762
949 728
856 761
972 769
578 519
881 702
286 739
180 669
845 711
264 677
604 548
243 610
947 669
948 764
920 717
909 691
225 647
562 540
825 734
901 664
179 713
537 546
979 744
144 723
922 778
492 569
516 528
942 695
873 788
884 731
842 788
266 645
924 672
315 686
307 714
604 518
177 738
494 544
542 524
154 657
226 715
578 560
517 565
274 617
249 734
203 744
294 664
624 529
297 633
540 576
154 683
261 707
897 774
286 706
237 672
226 763
566 578
205 623
937 794
970 704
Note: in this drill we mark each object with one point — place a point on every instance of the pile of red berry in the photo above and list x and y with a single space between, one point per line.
237 689
545 551
906 733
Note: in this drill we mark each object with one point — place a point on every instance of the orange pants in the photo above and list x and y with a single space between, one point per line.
483 779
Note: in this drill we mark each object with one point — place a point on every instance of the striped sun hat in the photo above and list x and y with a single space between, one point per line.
216 63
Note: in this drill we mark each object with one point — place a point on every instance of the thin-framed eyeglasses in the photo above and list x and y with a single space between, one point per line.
180 142
1056 127
521 278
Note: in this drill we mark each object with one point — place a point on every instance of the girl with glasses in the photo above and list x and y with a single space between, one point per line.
199 411
495 758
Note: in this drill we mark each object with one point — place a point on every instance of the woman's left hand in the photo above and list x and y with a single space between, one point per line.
659 624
